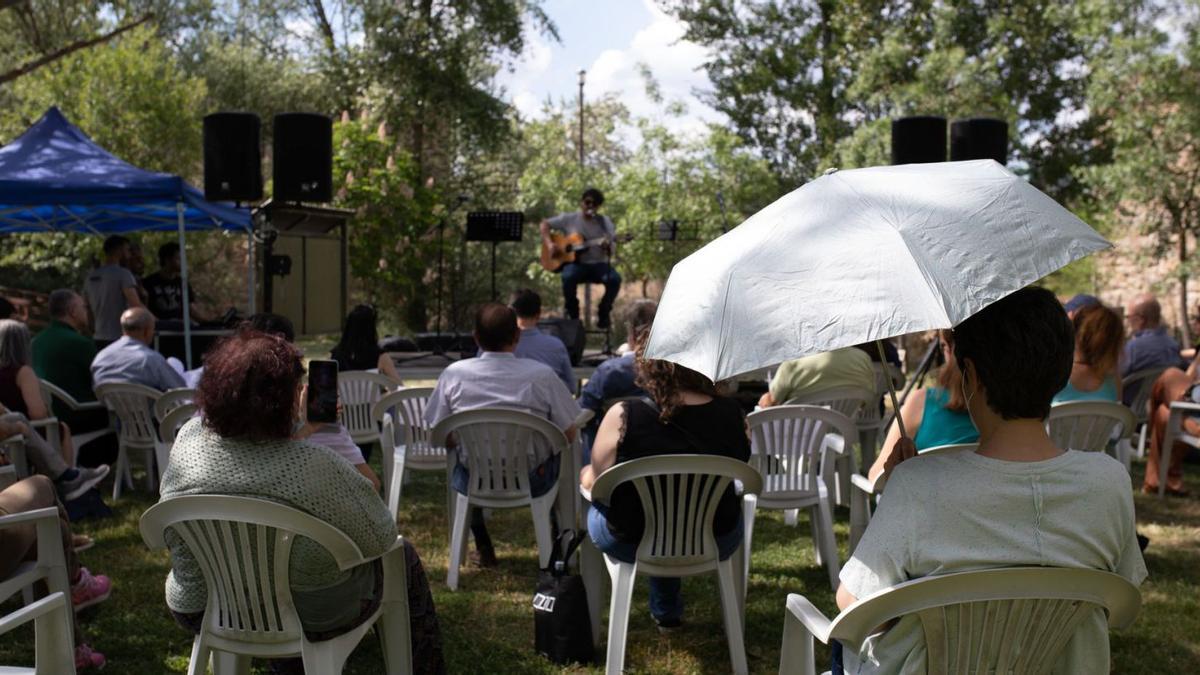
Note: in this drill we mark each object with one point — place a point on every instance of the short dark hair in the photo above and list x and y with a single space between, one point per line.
1022 347
638 319
7 309
113 243
495 327
272 324
60 302
526 303
167 251
249 386
596 195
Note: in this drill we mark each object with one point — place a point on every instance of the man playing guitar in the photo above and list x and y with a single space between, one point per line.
591 264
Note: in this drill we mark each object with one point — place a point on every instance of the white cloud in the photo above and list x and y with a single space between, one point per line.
535 60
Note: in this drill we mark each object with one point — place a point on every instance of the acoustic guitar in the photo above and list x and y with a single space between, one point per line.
566 246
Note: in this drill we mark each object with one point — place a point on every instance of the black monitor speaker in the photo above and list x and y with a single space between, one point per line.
232 157
302 156
918 140
572 334
979 138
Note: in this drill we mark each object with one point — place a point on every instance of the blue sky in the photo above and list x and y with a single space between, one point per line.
608 39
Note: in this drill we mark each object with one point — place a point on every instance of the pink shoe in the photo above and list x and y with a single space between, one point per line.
90 589
86 657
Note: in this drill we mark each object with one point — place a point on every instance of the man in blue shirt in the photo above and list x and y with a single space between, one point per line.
617 378
130 359
536 345
1148 346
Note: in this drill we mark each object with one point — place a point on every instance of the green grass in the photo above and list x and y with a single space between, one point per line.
487 626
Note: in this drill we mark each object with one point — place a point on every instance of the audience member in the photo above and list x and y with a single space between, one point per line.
20 390
110 290
934 415
333 436
687 416
1078 302
1173 385
63 355
70 483
251 398
617 377
846 367
7 309
1017 501
130 359
164 288
358 348
1098 338
536 345
1148 346
18 544
498 379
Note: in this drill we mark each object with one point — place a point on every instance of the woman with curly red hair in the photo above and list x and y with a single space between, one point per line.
684 414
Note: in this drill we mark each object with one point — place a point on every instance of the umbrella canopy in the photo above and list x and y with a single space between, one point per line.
54 178
860 255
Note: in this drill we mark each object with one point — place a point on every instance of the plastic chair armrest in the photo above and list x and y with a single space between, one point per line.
48 513
811 617
1184 406
863 483
88 405
584 417
834 442
50 603
586 494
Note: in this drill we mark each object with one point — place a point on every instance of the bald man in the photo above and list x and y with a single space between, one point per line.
130 358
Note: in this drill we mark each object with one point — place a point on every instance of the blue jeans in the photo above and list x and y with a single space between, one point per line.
666 602
574 274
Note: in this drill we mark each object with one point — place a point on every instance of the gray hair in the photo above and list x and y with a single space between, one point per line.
61 301
136 319
15 349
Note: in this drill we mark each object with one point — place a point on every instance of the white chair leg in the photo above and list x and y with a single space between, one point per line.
824 525
796 657
200 657
814 523
591 568
1141 447
322 657
731 608
860 515
225 663
394 625
119 474
458 539
151 472
791 517
622 575
749 506
542 530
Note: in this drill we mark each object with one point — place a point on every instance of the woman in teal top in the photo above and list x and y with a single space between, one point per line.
1098 339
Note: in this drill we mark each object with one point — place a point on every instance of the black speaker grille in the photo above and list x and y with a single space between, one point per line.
918 140
302 157
232 157
979 138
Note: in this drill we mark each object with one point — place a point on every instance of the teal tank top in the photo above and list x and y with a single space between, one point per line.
940 426
1106 392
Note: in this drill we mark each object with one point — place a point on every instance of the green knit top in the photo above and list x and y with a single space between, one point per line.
307 477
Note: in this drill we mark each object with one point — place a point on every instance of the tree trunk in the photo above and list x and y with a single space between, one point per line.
1183 290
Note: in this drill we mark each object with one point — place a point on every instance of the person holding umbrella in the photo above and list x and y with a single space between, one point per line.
1018 500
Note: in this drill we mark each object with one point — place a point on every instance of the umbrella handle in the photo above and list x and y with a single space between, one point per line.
891 390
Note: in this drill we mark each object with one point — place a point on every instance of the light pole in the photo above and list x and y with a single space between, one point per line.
582 76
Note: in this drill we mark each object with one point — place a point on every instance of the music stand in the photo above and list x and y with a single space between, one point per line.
495 227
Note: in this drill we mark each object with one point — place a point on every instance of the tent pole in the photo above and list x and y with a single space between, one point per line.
187 301
250 270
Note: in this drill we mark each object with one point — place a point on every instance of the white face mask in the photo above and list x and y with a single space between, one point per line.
967 396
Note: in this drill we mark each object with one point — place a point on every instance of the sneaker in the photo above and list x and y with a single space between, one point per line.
668 625
86 657
90 589
85 479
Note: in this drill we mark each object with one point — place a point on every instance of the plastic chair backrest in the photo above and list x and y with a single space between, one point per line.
499 447
133 404
1013 620
54 645
849 401
1088 425
1141 383
679 495
174 421
243 547
51 391
409 427
171 399
360 390
786 445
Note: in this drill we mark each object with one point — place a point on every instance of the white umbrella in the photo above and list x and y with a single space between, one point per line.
861 255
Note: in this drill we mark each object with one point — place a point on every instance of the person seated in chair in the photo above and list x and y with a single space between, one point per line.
686 416
497 379
1016 501
617 377
1098 338
1149 345
846 367
536 345
358 348
592 264
131 360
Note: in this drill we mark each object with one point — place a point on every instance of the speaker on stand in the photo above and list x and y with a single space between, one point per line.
918 140
232 157
979 138
302 158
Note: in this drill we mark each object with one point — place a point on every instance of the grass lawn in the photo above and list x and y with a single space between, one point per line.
487 625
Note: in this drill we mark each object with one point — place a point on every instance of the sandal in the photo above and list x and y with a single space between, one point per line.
81 542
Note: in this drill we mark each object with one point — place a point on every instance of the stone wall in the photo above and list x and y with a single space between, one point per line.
1133 268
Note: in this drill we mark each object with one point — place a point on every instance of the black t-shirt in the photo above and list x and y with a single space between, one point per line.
166 296
358 360
714 428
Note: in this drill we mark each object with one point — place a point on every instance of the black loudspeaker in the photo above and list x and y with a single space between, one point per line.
979 138
572 334
447 342
918 140
302 156
232 157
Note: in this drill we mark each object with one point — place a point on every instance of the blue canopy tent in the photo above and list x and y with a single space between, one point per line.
53 178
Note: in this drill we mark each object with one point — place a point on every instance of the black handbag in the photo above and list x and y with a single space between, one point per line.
562 627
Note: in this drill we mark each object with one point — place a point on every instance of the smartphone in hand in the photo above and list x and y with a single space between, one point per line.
322 391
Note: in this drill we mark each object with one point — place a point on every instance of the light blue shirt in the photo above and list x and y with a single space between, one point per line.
128 360
499 379
549 350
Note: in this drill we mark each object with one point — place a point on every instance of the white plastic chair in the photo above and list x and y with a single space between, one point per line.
243 547
167 429
52 393
404 440
863 491
1172 434
359 391
792 448
133 404
1092 426
171 399
53 641
499 447
870 419
1141 383
678 537
1012 620
13 448
849 401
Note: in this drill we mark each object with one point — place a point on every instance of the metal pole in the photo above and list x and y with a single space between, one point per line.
250 270
582 75
187 300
